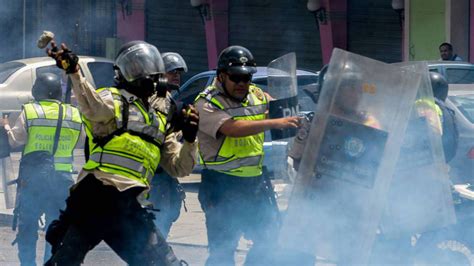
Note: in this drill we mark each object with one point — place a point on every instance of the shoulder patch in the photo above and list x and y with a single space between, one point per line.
104 93
258 93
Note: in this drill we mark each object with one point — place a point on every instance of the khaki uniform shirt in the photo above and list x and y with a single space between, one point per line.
176 158
211 118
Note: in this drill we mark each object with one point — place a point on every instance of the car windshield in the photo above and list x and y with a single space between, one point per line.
465 104
7 69
305 82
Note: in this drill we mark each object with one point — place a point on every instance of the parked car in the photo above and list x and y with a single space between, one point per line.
454 244
460 76
455 72
275 151
461 100
17 78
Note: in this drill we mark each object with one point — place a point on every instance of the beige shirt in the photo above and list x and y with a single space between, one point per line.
176 158
211 118
18 135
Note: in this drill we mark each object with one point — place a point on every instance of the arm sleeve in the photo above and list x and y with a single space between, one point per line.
211 118
96 107
17 136
178 159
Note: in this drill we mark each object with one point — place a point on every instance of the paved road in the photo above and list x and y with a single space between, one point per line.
187 237
102 254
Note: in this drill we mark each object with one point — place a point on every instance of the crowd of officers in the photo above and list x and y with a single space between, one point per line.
138 141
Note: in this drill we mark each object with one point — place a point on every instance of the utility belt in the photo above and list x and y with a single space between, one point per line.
216 186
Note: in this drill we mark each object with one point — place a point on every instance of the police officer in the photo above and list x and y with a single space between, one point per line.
174 67
233 193
128 141
46 127
449 130
166 194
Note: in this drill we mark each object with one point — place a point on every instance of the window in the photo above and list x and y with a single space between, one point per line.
189 93
460 75
103 74
465 104
7 69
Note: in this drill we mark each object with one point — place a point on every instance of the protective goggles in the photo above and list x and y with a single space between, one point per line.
240 78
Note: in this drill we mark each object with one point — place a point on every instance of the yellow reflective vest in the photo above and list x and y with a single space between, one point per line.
41 122
430 110
239 156
133 150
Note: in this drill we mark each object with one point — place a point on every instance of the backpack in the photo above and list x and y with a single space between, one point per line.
450 131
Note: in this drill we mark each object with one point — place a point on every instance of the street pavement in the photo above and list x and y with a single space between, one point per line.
187 237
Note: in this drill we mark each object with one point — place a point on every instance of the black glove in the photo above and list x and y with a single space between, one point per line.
190 124
64 58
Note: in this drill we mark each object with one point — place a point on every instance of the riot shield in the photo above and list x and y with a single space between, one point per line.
282 87
353 144
6 170
419 198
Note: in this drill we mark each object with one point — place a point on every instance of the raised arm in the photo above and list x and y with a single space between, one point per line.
97 107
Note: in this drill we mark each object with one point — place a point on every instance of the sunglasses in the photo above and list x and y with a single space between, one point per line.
238 78
176 71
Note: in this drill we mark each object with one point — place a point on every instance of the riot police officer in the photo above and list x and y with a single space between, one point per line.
233 193
447 116
166 194
50 131
128 140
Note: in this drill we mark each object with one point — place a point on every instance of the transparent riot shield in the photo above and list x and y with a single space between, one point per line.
8 182
6 171
282 87
419 198
344 176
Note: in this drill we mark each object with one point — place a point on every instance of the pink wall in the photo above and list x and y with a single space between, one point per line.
131 27
334 33
217 30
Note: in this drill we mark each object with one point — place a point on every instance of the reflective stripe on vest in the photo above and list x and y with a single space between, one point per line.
247 111
239 156
53 123
148 130
128 163
41 121
126 152
234 164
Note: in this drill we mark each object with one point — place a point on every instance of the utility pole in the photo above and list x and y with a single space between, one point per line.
24 28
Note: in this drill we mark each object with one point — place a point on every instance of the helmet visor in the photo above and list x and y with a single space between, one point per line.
174 61
140 61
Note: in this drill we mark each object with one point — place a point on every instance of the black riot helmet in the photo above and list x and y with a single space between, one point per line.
236 60
47 86
139 67
174 61
440 86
